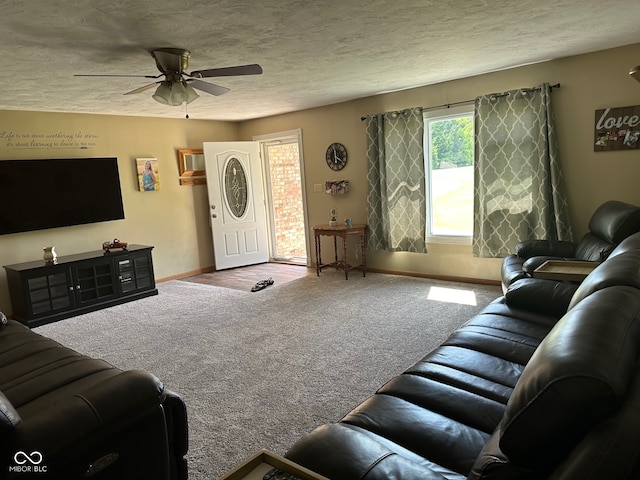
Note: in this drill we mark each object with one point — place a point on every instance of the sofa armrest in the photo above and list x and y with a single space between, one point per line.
119 396
9 417
339 451
71 420
540 295
530 265
511 270
545 248
175 412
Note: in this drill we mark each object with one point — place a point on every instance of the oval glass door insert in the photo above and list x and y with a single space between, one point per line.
235 187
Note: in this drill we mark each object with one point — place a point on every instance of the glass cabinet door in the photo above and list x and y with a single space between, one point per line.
50 293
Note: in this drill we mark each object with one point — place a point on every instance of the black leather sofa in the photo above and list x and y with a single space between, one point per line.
542 384
612 222
67 416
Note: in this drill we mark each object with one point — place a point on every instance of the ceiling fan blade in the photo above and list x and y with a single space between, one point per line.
208 87
142 89
115 75
253 69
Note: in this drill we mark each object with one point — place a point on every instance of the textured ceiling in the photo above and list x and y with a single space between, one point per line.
313 52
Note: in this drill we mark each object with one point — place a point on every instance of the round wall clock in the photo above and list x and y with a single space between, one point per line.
336 156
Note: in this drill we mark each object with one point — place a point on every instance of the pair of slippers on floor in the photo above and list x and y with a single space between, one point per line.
262 284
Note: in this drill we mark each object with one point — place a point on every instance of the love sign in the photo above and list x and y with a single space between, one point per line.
617 129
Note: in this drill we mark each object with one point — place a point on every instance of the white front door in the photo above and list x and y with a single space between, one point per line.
236 203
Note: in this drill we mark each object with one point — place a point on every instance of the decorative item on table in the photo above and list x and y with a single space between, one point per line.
50 256
348 222
336 187
333 217
115 243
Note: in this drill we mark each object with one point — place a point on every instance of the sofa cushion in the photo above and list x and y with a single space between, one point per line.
629 244
619 434
545 248
349 452
623 269
563 391
614 221
592 248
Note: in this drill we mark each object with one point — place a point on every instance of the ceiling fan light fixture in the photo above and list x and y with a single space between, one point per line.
175 93
163 93
635 72
178 93
191 93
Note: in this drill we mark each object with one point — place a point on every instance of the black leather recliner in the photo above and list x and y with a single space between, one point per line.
612 222
80 417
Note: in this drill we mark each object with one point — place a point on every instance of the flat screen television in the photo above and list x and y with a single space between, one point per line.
60 192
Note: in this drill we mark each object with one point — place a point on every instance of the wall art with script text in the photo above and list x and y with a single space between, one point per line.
617 129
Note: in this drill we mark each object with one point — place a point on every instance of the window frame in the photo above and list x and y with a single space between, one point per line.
428 117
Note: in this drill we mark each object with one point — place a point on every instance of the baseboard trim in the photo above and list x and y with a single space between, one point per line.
186 274
448 278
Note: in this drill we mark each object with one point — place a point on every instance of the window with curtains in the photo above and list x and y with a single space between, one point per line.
449 152
519 188
396 181
419 188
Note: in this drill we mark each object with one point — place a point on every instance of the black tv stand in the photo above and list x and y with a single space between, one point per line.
79 283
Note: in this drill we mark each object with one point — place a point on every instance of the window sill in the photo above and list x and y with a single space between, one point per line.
449 240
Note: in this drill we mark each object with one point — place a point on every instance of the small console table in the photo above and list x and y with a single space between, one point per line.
344 232
79 283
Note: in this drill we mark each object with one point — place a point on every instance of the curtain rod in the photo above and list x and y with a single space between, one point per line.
462 102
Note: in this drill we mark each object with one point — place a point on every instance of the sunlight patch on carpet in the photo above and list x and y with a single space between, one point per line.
452 295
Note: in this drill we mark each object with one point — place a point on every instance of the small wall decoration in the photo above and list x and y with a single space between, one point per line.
336 187
191 167
148 177
617 129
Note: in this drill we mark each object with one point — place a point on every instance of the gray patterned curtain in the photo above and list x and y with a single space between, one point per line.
396 201
519 192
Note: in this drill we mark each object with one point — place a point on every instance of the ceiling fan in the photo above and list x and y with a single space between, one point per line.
178 85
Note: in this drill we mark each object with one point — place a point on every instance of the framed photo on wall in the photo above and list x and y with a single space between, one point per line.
148 176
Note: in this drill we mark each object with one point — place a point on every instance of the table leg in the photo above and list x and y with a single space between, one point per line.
344 253
335 250
318 255
363 248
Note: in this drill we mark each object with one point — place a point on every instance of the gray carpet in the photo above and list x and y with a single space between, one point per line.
259 370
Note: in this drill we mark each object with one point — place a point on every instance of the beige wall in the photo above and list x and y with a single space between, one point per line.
588 82
175 219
